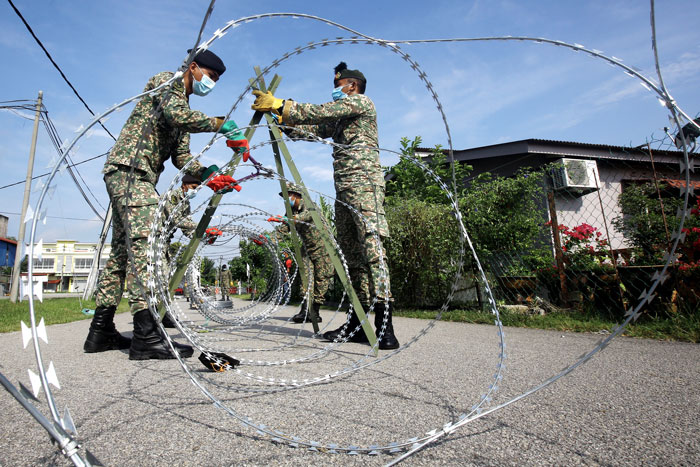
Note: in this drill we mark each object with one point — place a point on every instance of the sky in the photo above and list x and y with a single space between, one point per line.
491 92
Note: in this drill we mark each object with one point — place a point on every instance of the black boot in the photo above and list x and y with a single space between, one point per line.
346 329
303 317
148 343
103 334
388 340
168 321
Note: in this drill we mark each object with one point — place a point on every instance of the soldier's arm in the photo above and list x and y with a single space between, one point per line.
322 131
178 114
182 156
296 113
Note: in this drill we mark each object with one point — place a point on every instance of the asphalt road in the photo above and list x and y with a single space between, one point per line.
638 402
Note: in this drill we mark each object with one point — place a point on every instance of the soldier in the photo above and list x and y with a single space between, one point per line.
225 282
178 211
319 263
351 120
158 129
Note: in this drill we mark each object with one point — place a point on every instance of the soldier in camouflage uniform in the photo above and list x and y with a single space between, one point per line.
177 210
225 282
157 130
313 253
351 120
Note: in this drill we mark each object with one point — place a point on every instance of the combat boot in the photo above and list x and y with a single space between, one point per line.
148 343
103 334
303 317
346 329
168 321
388 340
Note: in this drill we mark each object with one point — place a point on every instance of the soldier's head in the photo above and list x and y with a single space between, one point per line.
223 267
295 198
203 73
348 82
189 183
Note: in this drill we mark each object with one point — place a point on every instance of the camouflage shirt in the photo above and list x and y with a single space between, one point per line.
349 121
312 242
225 278
169 137
178 210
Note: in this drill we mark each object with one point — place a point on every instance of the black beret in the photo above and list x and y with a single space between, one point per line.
341 72
209 59
189 179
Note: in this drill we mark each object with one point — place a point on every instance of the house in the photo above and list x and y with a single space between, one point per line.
67 264
588 178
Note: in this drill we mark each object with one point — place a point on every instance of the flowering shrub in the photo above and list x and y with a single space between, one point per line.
584 247
689 249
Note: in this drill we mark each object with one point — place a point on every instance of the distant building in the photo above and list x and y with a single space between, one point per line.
603 171
67 264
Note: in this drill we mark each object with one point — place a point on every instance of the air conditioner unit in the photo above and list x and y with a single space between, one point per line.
576 175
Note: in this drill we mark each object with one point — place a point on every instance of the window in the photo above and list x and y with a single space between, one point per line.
44 263
83 263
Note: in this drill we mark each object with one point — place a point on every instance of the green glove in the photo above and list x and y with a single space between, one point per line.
266 102
230 130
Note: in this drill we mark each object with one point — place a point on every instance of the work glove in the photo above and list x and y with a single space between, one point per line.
260 239
211 234
280 219
239 144
219 183
288 264
230 130
266 102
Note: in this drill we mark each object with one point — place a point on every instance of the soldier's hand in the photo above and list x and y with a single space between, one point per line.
266 102
219 183
211 234
230 130
240 145
279 219
224 184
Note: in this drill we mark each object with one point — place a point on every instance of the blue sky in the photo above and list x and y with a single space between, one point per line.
491 92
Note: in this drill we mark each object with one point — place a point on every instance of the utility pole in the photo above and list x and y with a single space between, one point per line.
14 291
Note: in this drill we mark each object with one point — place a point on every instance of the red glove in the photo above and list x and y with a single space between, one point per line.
277 219
223 184
260 240
288 264
212 233
240 143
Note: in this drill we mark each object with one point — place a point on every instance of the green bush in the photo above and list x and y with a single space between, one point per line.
422 251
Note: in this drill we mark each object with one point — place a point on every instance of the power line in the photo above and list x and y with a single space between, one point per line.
56 65
55 217
49 173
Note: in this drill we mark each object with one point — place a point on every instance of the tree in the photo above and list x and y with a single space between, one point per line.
207 271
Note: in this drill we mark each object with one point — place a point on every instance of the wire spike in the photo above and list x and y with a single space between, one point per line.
27 393
67 423
51 376
36 382
41 331
26 334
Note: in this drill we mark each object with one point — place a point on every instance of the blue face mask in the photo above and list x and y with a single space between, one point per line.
190 194
338 93
203 87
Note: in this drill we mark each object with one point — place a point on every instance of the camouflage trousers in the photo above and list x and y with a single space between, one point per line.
137 212
320 268
361 240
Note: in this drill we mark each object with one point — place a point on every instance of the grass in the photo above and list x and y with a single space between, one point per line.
53 310
675 327
678 327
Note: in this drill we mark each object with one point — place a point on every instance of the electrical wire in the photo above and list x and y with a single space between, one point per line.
56 65
49 173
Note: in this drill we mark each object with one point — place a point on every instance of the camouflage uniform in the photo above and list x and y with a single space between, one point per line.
359 182
177 211
144 144
313 252
224 283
